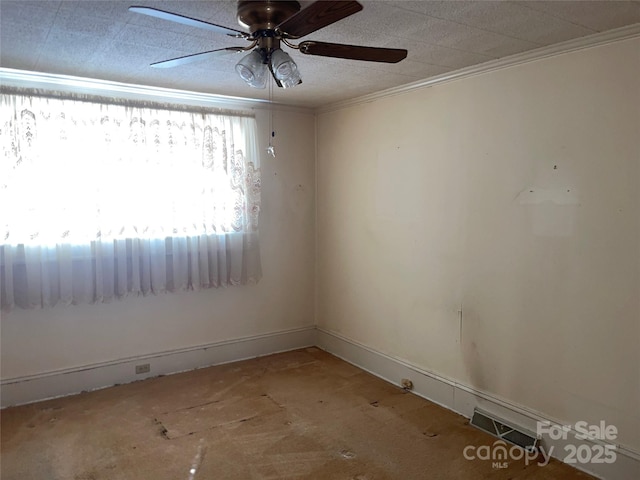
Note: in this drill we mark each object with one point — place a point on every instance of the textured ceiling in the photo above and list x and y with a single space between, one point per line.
103 40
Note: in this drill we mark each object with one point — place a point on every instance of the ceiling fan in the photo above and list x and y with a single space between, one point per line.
271 23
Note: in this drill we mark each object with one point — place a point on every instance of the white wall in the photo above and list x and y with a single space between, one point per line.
421 214
38 341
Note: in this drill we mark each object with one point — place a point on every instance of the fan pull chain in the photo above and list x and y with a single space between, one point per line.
271 149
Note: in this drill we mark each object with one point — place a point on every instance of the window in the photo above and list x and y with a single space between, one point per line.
99 200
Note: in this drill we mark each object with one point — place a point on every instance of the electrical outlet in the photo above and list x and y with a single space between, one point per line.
144 368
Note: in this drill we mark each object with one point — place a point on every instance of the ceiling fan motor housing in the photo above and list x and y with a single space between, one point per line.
265 15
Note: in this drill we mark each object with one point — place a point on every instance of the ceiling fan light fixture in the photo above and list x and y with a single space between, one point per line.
252 70
284 69
271 23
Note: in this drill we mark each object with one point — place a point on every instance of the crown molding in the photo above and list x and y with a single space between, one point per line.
595 40
89 86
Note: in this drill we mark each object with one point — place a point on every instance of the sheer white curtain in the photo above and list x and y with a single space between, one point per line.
102 200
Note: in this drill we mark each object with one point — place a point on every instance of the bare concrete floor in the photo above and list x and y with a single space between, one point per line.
296 415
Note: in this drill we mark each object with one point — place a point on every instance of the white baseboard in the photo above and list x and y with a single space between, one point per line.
33 388
463 399
446 392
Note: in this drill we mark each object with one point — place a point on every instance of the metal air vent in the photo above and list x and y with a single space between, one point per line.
504 430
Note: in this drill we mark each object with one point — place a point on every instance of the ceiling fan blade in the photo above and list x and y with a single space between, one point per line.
316 16
196 57
192 22
353 52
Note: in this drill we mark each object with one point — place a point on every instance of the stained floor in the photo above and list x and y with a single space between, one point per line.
297 415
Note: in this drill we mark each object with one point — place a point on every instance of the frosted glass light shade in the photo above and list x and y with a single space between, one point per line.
284 69
252 70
